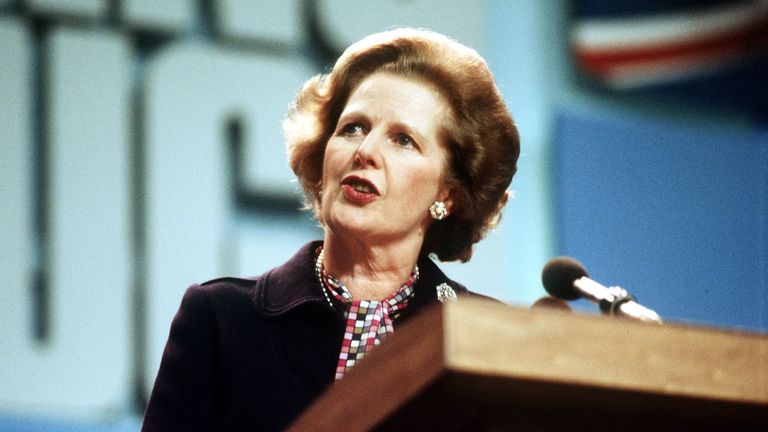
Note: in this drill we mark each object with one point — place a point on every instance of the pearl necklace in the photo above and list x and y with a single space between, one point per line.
320 272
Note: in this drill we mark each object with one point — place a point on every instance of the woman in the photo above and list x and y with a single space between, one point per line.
404 150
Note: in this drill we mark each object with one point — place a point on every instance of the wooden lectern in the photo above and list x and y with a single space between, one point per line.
474 365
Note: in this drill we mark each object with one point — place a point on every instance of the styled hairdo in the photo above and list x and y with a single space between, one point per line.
482 140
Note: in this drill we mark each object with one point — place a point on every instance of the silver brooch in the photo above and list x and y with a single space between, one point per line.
445 292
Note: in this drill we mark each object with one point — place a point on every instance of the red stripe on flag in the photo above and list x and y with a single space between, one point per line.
716 48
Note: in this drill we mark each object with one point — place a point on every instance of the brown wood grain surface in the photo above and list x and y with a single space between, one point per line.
473 365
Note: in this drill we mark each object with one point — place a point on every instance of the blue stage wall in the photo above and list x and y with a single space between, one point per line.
673 211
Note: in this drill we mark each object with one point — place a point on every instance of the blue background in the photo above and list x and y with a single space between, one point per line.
673 212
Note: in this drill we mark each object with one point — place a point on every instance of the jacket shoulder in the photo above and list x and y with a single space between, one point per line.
223 289
230 282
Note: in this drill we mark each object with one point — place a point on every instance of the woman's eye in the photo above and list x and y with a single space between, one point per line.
353 129
405 141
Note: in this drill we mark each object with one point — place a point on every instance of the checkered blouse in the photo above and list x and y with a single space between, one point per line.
368 321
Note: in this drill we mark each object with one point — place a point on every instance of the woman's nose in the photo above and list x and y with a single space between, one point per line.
369 151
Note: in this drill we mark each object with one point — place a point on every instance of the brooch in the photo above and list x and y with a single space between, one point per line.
445 293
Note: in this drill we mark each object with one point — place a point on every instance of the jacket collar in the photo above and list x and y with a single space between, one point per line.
294 284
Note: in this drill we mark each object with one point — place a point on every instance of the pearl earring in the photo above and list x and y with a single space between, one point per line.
438 210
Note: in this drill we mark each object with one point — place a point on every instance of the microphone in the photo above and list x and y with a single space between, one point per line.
565 278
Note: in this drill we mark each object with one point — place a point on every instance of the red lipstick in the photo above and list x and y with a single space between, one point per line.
359 190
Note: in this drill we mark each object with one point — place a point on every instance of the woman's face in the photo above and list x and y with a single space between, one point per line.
384 162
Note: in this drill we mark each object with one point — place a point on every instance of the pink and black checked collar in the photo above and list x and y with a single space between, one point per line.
368 321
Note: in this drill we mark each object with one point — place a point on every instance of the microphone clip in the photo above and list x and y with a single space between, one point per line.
611 303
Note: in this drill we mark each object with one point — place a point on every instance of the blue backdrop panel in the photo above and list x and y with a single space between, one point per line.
676 214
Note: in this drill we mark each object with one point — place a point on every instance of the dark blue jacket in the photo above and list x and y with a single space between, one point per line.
251 354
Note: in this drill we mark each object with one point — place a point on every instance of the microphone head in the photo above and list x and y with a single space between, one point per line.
558 277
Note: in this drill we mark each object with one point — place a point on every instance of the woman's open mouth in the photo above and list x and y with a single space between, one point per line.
358 189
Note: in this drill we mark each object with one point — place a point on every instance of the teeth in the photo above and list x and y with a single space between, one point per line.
362 187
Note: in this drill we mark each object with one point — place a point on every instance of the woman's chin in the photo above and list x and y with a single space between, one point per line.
354 228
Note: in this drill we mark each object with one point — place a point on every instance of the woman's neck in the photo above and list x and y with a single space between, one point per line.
369 272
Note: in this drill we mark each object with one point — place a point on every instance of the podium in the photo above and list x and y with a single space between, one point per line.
474 365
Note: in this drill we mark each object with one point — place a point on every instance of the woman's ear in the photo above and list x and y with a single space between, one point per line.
449 201
319 191
317 203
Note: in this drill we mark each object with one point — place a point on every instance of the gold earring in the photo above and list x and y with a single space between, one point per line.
438 210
